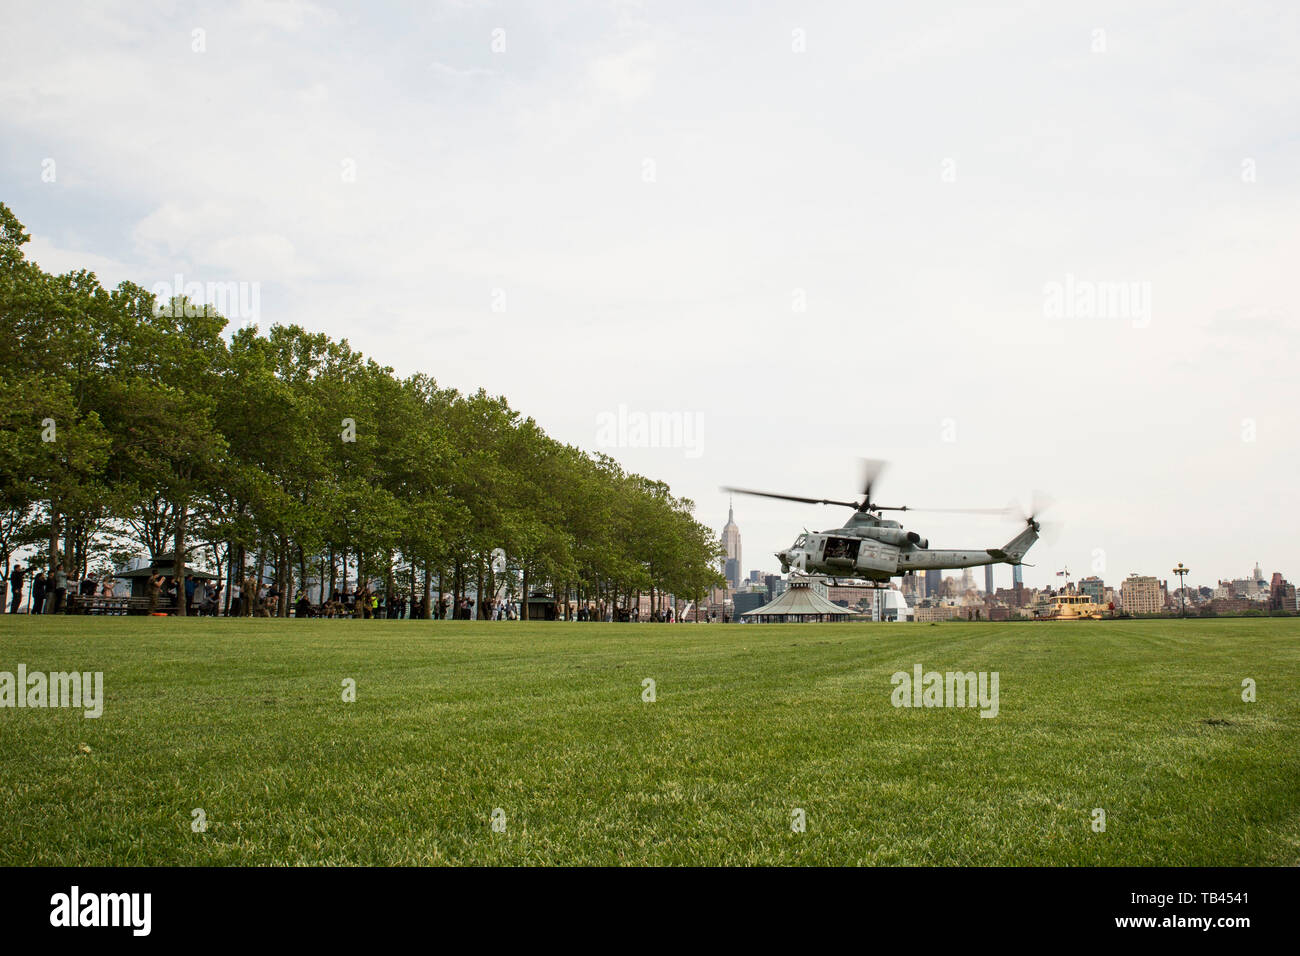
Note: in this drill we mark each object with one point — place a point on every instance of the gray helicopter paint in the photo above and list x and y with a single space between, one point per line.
857 550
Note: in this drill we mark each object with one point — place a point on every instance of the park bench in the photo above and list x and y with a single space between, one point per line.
86 604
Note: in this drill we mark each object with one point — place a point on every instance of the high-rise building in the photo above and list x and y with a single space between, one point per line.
1017 575
933 582
1142 595
731 549
967 580
1095 588
988 579
1282 594
748 601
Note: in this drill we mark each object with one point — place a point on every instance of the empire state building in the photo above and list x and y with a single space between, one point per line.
731 548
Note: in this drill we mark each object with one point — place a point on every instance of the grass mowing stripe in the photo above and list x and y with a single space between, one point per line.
245 719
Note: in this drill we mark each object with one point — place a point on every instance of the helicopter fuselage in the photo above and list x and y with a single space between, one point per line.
874 549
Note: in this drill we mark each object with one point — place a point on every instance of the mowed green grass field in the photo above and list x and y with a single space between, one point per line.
244 719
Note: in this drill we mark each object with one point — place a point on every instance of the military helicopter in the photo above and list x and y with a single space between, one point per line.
871 548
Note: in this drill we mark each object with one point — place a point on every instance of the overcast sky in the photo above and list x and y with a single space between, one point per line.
814 231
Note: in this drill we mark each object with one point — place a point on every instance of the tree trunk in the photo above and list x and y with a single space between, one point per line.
427 611
286 577
302 568
389 582
70 549
236 561
54 536
178 573
478 587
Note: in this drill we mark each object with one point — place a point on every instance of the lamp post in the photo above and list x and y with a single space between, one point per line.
1182 590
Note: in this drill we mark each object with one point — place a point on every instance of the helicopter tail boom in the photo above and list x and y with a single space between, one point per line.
1014 550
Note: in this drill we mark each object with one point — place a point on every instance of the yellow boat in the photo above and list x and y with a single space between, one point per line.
1073 607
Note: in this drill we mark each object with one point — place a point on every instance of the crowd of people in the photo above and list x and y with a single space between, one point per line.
50 589
364 602
250 596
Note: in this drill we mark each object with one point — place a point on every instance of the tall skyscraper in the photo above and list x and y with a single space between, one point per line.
1017 575
731 549
988 579
933 582
967 580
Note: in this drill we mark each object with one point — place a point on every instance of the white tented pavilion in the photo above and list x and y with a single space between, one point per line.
798 604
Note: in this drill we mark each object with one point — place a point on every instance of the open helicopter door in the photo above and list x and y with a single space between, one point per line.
841 552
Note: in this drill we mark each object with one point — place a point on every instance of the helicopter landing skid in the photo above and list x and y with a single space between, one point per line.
869 585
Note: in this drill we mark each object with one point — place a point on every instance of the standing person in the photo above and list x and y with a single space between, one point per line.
16 578
155 590
60 588
236 599
250 595
89 585
38 592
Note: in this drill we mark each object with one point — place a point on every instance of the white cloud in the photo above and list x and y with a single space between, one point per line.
290 15
625 76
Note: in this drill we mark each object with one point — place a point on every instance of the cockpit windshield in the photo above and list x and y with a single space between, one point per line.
800 542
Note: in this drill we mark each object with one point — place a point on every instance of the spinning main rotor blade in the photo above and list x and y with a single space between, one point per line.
807 501
855 505
956 511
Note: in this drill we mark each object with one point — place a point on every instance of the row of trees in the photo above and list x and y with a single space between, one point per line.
130 427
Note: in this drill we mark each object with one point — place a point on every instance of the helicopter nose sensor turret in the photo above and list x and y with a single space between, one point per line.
792 557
